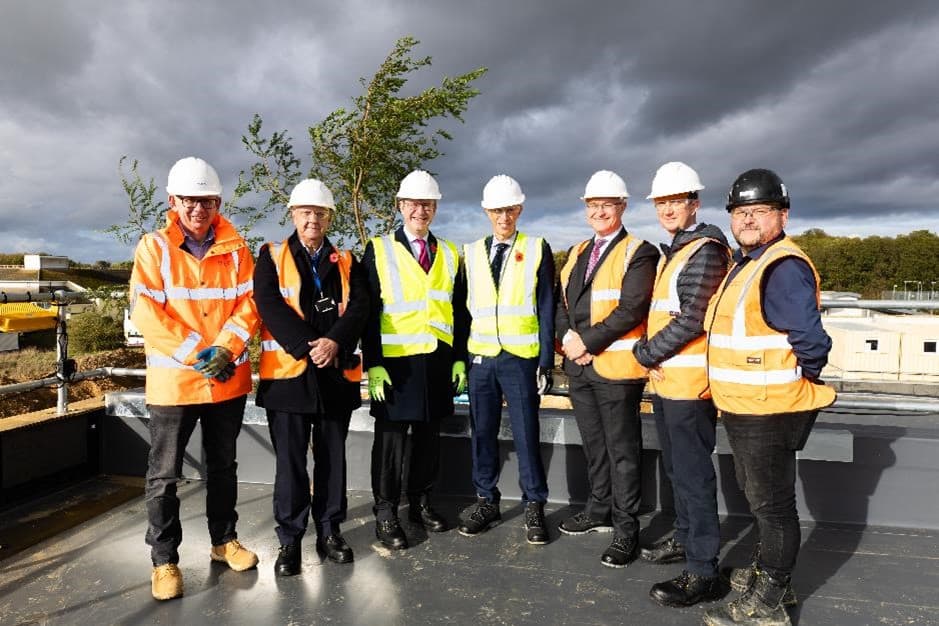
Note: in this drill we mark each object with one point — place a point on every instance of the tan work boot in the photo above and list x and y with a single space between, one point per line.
166 582
238 557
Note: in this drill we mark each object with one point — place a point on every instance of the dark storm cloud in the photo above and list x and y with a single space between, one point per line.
837 96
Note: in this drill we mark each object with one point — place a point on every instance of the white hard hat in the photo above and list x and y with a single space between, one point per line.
605 184
673 178
311 192
419 185
193 177
502 191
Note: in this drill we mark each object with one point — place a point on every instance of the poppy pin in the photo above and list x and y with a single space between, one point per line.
433 248
519 257
333 258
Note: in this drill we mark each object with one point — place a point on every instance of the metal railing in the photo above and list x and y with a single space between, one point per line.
62 299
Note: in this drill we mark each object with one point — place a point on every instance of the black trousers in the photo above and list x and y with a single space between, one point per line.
608 419
390 453
293 505
764 448
170 430
686 432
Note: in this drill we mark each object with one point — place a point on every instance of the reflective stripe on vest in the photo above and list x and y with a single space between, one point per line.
686 372
505 318
417 307
751 367
616 362
276 363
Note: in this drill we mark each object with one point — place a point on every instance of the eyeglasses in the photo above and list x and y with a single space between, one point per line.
757 212
605 206
190 202
509 210
430 205
674 203
320 214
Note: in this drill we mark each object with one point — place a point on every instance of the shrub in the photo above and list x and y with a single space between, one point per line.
92 332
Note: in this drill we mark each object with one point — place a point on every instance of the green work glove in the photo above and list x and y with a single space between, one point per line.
212 361
458 376
377 379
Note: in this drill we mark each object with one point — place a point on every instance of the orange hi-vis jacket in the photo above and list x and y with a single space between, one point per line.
276 363
182 304
686 373
616 362
751 367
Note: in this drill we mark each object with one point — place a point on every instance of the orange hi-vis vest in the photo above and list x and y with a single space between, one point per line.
182 304
616 362
276 363
751 367
686 373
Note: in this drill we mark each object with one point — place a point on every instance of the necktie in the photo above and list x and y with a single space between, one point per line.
496 264
314 265
594 257
422 258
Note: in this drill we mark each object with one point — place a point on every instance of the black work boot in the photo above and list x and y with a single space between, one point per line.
537 532
288 560
760 605
687 589
420 512
665 551
480 517
621 552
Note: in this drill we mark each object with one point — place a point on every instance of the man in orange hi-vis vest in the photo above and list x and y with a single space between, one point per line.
766 350
690 271
606 287
191 299
313 301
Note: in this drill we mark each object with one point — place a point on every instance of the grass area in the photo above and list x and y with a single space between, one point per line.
27 364
90 278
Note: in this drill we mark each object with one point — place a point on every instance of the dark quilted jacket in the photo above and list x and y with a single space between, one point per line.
697 282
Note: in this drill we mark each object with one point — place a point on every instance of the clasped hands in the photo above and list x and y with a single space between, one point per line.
323 352
574 348
215 362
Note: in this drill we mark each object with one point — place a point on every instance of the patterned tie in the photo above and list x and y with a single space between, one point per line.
496 264
422 259
594 257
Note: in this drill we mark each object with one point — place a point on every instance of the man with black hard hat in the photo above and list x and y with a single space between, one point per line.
766 350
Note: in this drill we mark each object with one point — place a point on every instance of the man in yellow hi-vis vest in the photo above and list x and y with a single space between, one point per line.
313 301
691 269
766 349
414 348
191 298
510 282
606 287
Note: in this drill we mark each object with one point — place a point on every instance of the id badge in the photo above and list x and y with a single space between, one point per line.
324 305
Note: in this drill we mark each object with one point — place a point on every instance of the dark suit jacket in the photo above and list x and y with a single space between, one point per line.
305 393
544 303
633 307
421 385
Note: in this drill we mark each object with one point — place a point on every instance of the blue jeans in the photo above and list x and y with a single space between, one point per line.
170 430
686 432
489 380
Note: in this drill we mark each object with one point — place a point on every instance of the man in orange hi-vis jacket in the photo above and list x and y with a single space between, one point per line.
191 298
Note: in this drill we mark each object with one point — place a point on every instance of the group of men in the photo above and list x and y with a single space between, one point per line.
706 328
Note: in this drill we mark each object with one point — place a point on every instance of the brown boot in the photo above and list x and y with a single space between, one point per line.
760 605
235 555
166 582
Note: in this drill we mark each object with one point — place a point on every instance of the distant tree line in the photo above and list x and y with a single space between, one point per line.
872 265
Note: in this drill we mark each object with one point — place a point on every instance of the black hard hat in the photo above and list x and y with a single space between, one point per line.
757 187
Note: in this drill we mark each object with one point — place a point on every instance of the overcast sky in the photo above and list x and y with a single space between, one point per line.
841 98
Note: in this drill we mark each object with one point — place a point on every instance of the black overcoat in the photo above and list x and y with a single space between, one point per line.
321 391
421 384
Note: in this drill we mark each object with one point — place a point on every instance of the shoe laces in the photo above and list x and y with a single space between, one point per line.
533 515
483 510
166 571
622 543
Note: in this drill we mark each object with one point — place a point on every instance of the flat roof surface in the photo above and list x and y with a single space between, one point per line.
98 572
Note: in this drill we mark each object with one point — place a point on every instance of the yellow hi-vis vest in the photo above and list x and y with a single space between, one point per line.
182 304
686 375
276 363
752 367
505 318
616 362
417 307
